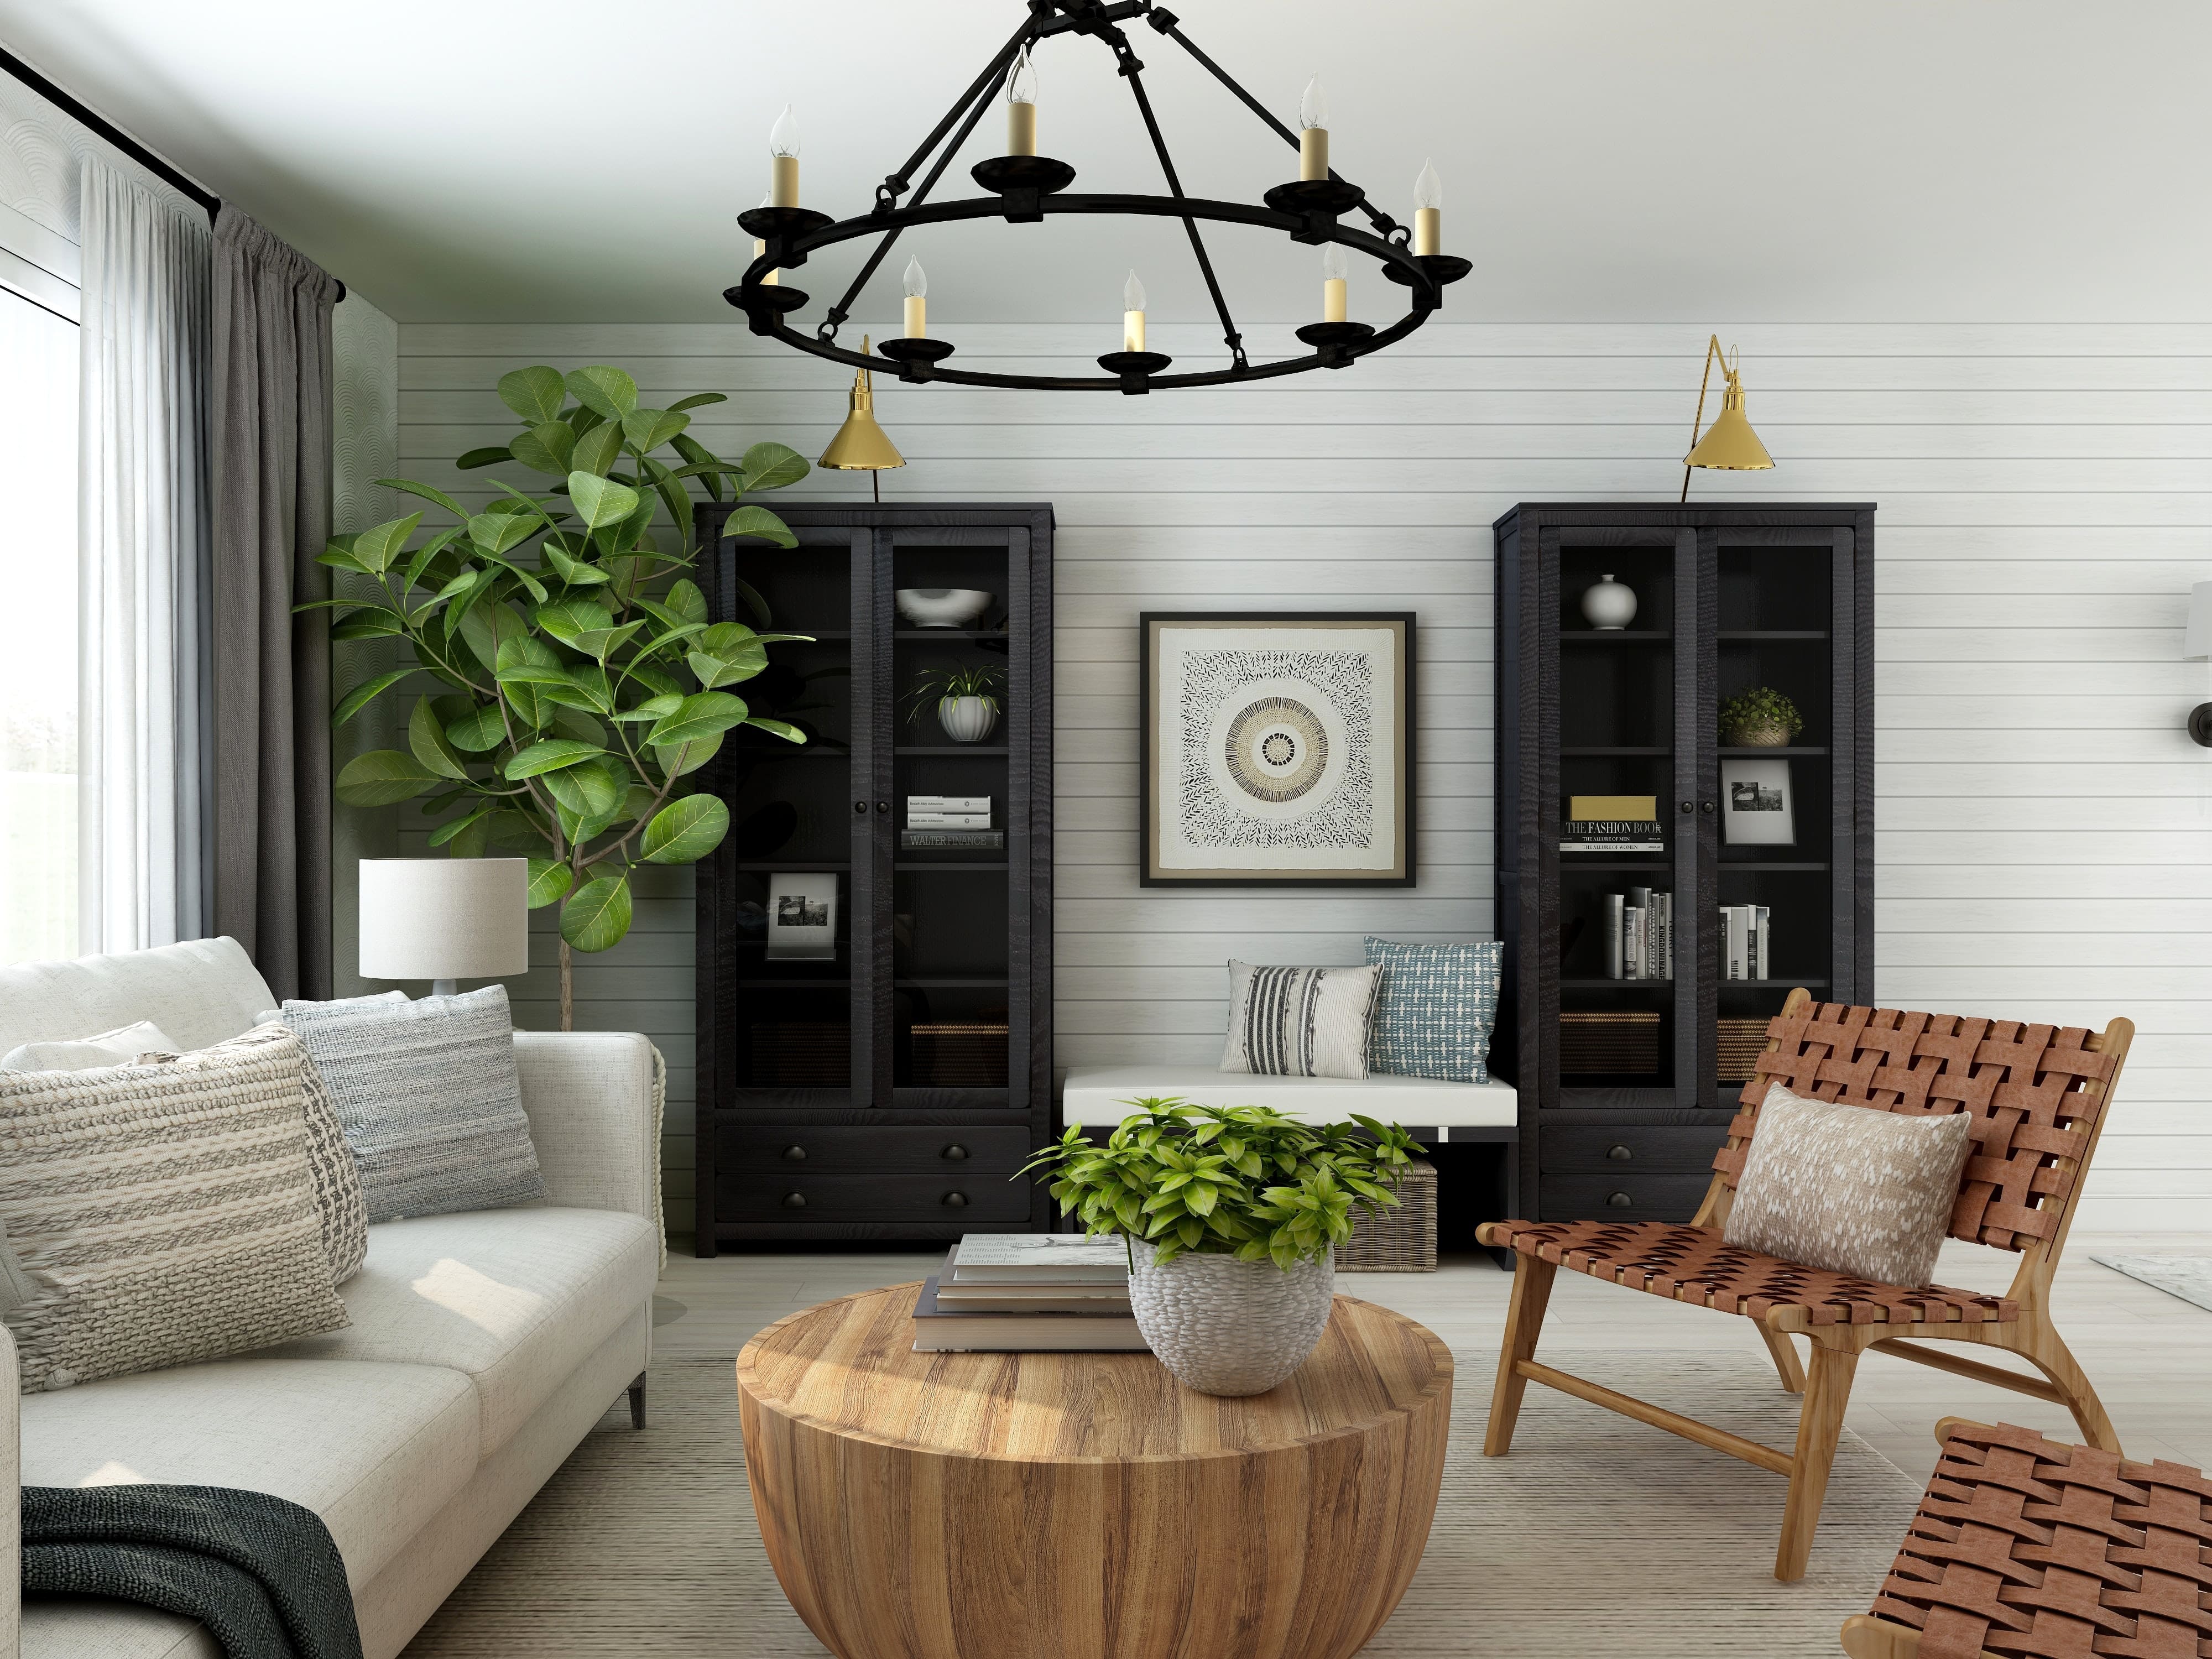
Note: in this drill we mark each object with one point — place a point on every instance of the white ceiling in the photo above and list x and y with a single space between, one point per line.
1723 161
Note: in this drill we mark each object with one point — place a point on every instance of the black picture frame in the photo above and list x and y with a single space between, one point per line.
1152 800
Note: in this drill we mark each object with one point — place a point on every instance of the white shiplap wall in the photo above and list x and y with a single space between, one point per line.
2044 825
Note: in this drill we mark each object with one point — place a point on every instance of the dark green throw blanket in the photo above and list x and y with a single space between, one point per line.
262 1574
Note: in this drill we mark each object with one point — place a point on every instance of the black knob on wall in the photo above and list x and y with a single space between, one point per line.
794 1200
1619 1201
1619 1154
956 1152
956 1200
796 1154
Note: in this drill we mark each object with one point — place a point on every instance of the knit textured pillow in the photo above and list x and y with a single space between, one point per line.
430 1099
166 1214
1852 1188
1437 1006
339 1203
1299 1022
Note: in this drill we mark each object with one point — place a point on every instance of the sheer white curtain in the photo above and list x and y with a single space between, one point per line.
143 595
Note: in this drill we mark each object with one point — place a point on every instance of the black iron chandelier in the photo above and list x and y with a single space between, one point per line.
1024 188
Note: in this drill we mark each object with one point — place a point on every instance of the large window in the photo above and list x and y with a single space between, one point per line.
38 665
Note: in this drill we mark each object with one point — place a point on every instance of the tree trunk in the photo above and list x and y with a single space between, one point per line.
568 990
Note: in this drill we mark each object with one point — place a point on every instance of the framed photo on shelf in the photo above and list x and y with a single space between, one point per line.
1758 807
802 916
1278 749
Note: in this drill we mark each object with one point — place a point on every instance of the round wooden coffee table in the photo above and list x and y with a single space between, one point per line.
1088 1505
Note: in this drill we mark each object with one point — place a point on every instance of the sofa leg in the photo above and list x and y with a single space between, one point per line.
637 1402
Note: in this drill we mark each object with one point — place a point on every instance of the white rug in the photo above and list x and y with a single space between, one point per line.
2189 1277
1596 1536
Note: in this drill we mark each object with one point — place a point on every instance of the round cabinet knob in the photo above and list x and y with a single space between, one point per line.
1619 1201
956 1152
1618 1154
1704 807
794 1200
861 807
795 1154
956 1200
1689 806
883 806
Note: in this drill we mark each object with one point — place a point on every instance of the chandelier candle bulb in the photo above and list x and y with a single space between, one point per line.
1133 314
1313 140
1021 106
917 300
1428 211
1333 274
783 160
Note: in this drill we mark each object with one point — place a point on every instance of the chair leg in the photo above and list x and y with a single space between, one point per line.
2055 1360
1820 1425
637 1402
1532 1292
1785 1353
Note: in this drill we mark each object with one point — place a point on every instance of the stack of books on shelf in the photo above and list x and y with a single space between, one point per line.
948 822
1743 942
1029 1292
1640 935
1612 823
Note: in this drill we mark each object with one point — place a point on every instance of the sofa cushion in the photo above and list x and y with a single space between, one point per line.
375 1450
199 992
513 1298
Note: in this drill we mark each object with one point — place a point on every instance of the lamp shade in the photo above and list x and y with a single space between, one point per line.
2197 641
444 918
1729 443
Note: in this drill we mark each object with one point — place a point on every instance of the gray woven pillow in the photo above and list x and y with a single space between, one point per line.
338 1199
430 1099
1852 1188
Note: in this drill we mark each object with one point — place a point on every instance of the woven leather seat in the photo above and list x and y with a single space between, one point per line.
2024 1546
1695 1265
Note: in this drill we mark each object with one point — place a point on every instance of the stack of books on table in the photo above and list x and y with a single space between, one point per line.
948 822
1027 1292
1612 823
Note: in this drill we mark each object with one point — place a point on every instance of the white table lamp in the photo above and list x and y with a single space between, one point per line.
444 920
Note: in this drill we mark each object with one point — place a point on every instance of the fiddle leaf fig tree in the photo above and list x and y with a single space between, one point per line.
579 682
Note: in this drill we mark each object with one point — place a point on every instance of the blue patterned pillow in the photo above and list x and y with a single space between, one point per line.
1437 1006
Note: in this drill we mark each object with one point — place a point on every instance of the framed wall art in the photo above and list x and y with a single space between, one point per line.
802 916
1759 808
1278 749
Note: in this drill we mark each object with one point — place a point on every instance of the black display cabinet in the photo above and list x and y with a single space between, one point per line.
1627 1084
890 1087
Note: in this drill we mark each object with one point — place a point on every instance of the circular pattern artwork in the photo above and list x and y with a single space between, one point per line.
1277 750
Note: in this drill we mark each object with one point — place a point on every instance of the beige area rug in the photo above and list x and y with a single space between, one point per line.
1596 1536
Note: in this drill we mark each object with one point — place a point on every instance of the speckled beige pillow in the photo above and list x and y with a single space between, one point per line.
1850 1188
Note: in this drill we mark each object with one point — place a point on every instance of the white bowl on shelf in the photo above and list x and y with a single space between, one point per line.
941 607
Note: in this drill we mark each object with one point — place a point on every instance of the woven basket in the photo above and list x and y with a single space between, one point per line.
1400 1241
1742 1041
1627 1042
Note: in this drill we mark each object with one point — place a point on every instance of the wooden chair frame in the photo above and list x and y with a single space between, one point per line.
2023 1202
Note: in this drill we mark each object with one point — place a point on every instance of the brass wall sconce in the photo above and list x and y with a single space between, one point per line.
1729 444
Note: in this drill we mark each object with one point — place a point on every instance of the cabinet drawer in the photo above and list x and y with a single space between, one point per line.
890 1149
1633 1194
1671 1148
964 1195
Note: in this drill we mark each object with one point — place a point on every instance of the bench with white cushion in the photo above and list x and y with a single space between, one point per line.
1434 1110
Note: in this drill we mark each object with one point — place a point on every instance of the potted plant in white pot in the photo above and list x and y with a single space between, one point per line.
966 699
1232 1215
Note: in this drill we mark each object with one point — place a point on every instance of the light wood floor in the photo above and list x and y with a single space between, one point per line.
2148 1354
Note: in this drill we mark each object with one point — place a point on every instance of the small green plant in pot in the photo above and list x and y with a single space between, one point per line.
1761 718
967 700
1232 1215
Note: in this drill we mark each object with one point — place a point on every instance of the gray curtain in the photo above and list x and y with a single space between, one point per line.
271 415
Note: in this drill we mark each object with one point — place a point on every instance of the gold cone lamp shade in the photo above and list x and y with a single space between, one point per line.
860 445
1728 445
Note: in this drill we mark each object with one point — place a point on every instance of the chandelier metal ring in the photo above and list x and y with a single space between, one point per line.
1026 190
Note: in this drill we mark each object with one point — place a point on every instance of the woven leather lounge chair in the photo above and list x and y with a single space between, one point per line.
2041 1094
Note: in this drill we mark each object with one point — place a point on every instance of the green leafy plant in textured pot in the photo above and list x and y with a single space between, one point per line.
967 700
581 680
1761 718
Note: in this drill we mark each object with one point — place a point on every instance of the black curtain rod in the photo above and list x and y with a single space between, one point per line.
211 202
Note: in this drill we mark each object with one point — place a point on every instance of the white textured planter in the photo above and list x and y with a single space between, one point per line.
1226 1326
968 720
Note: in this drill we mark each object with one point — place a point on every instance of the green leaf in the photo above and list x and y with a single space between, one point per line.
653 708
783 729
478 731
476 458
338 555
686 603
597 915
649 428
462 825
495 533
550 757
772 466
546 448
427 494
572 570
695 399
535 394
706 714
602 390
550 880
596 451
593 788
363 694
759 522
685 830
600 502
678 759
370 623
382 777
485 626
377 547
427 738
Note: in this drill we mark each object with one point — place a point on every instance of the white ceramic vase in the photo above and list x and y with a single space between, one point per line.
968 720
1225 1326
1609 605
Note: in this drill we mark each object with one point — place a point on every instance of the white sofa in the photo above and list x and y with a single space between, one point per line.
483 1345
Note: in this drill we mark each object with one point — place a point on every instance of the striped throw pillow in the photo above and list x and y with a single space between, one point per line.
1299 1022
